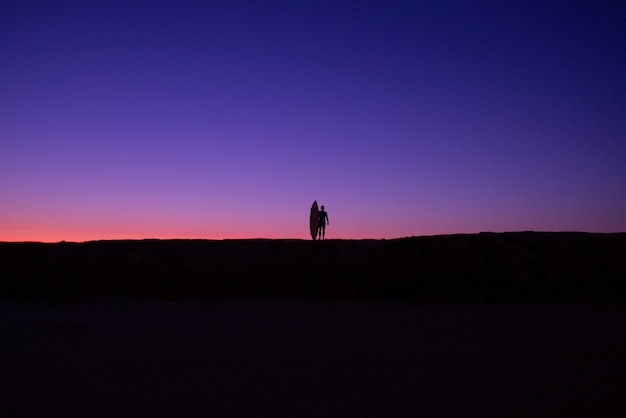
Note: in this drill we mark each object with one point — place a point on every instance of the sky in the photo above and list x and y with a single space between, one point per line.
227 119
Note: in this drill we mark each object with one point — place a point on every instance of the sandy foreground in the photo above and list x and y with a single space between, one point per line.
311 359
494 268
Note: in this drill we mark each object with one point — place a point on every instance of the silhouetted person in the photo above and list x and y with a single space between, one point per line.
321 224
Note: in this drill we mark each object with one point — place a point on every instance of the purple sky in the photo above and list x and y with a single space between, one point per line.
226 119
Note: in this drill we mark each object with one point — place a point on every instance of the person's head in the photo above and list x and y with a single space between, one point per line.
322 207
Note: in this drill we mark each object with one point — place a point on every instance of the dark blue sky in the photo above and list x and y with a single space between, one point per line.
226 119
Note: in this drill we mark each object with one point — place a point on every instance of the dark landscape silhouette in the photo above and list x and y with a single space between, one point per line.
516 267
523 324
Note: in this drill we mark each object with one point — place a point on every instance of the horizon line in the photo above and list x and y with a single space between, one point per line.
305 239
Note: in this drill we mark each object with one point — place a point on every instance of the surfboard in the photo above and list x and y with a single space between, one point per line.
314 219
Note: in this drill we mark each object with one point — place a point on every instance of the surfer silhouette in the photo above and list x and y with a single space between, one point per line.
322 222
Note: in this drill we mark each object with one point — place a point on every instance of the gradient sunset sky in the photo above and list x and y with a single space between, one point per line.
226 119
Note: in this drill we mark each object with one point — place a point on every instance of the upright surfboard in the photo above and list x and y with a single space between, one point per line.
314 219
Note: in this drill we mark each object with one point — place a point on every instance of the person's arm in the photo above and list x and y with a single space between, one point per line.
327 221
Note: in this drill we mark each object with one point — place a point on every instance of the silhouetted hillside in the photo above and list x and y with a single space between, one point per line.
516 267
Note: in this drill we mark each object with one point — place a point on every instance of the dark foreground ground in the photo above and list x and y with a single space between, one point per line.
515 325
523 267
311 359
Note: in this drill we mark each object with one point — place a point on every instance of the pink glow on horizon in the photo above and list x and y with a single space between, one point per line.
340 228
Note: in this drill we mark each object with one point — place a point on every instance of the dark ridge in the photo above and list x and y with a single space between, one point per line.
513 267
